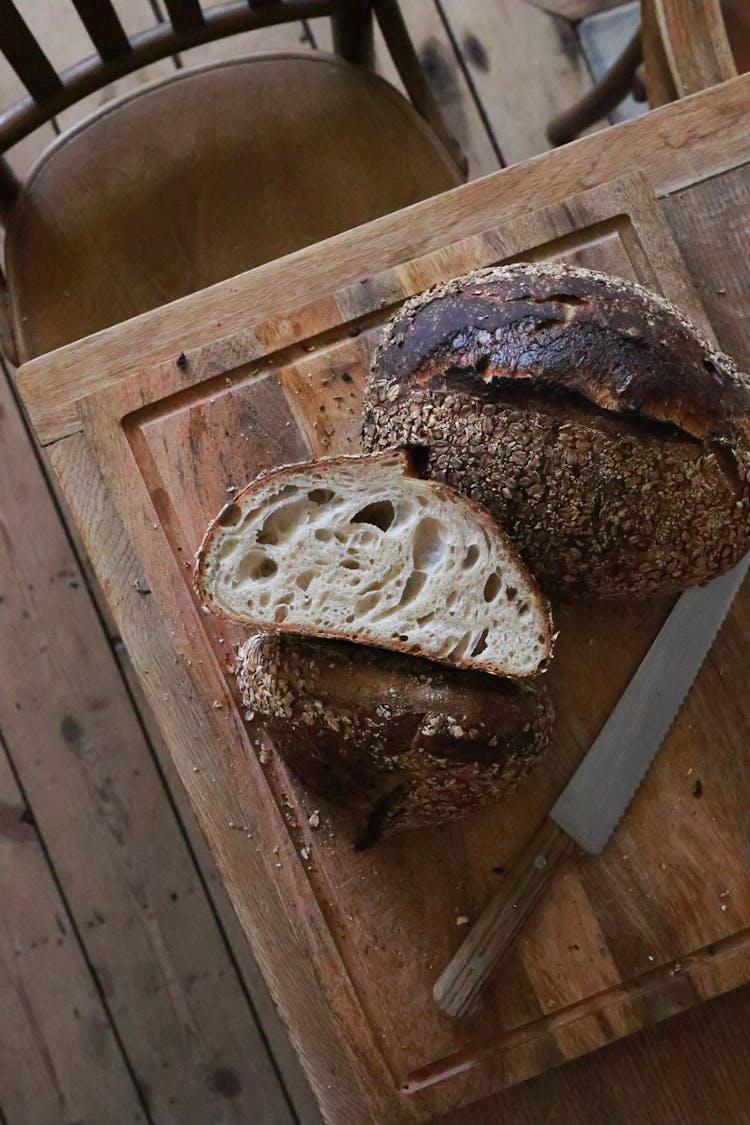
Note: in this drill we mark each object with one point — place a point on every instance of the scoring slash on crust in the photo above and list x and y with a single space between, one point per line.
587 415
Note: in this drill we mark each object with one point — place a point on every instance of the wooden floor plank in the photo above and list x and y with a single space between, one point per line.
9 371
526 65
117 847
283 37
294 1080
60 1060
451 84
445 74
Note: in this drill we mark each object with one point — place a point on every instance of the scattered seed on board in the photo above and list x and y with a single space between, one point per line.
314 819
462 920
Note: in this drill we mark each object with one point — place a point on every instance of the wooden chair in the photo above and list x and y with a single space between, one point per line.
682 46
215 170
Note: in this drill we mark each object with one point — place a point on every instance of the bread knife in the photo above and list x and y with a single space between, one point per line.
590 807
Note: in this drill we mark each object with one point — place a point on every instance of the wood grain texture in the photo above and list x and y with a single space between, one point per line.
60 1059
678 145
711 224
658 80
695 42
446 79
463 111
525 65
99 802
296 960
294 1081
622 940
695 1068
502 920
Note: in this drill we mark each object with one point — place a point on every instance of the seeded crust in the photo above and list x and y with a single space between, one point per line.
402 741
586 414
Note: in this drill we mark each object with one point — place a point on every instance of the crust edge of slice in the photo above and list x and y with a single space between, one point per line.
405 459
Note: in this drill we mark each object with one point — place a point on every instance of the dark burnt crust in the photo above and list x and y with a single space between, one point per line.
602 432
626 350
398 740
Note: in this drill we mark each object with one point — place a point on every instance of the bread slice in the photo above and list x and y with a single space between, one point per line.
395 741
362 549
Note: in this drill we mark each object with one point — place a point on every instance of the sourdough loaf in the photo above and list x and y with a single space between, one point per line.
362 549
399 741
585 413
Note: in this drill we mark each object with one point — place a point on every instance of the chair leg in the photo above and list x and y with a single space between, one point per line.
351 22
601 98
405 58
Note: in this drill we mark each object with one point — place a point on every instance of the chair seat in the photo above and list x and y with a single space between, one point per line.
198 178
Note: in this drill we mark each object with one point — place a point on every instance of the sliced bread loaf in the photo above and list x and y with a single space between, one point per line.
397 741
362 549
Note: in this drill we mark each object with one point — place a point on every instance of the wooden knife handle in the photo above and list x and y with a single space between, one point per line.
501 921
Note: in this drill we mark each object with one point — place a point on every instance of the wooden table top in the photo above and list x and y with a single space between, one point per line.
695 158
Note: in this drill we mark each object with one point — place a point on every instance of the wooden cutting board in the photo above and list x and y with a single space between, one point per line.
658 923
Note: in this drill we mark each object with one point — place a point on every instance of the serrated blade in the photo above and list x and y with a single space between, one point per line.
594 800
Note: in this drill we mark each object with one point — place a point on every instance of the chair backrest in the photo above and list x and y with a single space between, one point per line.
117 54
189 25
694 45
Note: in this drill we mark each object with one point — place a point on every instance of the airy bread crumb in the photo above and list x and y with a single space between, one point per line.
361 549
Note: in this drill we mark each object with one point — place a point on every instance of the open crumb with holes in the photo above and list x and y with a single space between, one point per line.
362 549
